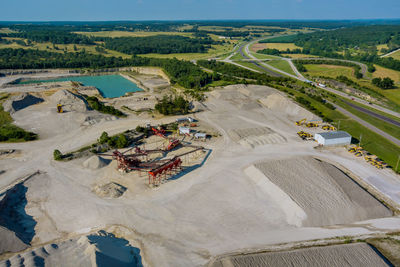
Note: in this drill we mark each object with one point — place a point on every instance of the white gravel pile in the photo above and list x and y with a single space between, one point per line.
95 162
21 101
70 101
280 103
100 249
359 254
326 194
258 136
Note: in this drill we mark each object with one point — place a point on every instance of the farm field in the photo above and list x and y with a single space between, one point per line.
385 72
279 46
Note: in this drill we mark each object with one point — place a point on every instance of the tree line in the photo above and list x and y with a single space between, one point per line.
182 72
160 44
55 37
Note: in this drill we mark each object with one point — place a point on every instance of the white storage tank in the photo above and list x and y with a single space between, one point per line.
336 138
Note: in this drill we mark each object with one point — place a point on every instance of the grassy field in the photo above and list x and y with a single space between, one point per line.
384 72
382 125
331 71
264 56
237 58
131 34
279 46
282 65
64 47
393 95
396 55
215 51
379 47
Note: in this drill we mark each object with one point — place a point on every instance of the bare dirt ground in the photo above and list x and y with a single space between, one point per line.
211 209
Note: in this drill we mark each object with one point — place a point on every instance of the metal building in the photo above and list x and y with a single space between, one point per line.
336 138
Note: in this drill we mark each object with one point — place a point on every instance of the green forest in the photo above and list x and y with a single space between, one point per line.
55 37
160 44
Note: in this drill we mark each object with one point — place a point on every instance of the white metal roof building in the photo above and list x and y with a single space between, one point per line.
336 138
184 130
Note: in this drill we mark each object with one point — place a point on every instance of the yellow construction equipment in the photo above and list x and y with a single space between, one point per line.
328 127
358 154
354 149
301 122
59 108
305 136
311 124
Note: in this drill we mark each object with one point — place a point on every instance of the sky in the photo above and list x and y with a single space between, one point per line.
103 10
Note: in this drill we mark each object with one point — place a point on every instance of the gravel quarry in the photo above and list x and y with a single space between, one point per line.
240 188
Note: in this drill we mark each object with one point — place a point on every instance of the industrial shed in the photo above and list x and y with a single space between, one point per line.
336 138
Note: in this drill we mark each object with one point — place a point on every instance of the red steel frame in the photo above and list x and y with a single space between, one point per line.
159 170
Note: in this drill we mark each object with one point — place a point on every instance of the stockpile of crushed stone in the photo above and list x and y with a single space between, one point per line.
70 101
96 162
326 194
359 254
21 101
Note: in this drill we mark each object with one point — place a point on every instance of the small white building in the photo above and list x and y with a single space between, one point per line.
186 119
184 130
200 136
337 138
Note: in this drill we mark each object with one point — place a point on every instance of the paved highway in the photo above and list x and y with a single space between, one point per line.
368 125
376 115
258 64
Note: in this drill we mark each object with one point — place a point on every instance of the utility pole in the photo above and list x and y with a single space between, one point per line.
359 144
338 126
397 165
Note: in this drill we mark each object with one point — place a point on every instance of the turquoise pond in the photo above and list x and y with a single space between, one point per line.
109 85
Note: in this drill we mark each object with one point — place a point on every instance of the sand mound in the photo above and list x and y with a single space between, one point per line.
100 249
21 101
96 162
70 101
359 254
252 137
326 194
16 226
110 190
9 242
280 103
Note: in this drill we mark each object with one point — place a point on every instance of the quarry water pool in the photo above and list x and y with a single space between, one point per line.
110 86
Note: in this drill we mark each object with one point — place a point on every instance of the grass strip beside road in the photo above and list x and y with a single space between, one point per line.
371 141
